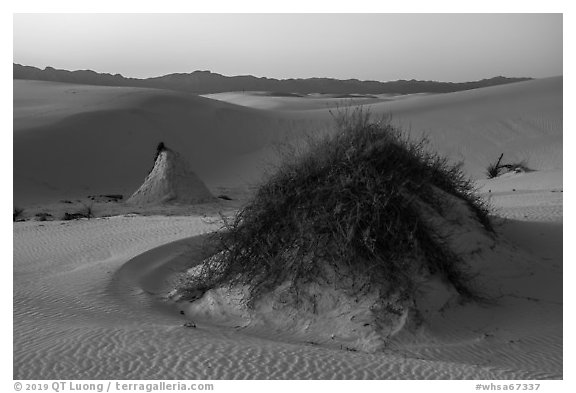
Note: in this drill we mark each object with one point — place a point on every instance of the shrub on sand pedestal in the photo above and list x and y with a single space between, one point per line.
365 212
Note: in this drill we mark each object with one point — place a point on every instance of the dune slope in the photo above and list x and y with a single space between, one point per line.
89 295
88 304
73 140
522 120
70 140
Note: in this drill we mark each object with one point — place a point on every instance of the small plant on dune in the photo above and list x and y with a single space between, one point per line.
87 210
18 211
493 170
352 202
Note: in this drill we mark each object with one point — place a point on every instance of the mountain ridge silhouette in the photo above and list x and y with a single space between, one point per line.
206 82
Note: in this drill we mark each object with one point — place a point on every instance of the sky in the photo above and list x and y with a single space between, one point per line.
445 47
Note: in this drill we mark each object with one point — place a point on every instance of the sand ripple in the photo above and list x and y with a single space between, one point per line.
82 312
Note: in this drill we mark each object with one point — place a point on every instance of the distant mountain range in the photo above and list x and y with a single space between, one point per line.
206 82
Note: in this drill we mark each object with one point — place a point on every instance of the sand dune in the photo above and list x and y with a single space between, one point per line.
522 120
70 140
90 295
534 196
89 303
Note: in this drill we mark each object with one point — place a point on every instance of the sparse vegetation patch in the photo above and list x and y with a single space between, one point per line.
86 212
496 169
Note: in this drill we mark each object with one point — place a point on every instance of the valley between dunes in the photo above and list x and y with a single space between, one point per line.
89 297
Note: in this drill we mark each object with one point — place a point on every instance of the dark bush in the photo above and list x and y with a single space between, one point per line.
17 213
72 216
352 201
86 212
495 169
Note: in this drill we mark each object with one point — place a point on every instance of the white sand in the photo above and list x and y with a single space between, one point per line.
71 141
258 100
81 312
522 120
171 181
87 294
